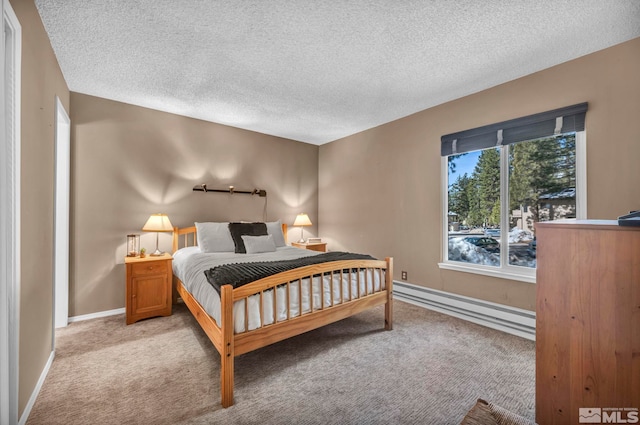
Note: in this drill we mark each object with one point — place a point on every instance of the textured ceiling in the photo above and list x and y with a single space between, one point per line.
317 71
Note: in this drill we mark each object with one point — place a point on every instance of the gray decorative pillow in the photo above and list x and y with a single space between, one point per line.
214 237
275 228
257 244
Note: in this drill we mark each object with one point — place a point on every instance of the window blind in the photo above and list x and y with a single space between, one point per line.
544 124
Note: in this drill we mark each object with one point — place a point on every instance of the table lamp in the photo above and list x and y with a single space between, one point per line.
158 223
302 220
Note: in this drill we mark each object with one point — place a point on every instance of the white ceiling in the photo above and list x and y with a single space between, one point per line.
317 71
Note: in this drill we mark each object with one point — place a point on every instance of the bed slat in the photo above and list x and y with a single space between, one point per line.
288 301
275 305
331 287
311 294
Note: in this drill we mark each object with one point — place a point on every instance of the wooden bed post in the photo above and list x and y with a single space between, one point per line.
388 307
175 241
227 354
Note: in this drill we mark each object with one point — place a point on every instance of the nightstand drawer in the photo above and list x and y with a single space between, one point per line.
149 268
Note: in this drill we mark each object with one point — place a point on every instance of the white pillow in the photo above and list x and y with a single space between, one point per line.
275 228
214 237
257 244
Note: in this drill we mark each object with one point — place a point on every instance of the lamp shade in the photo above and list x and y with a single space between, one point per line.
302 220
158 223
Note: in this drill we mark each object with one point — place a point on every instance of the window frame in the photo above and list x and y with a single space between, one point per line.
506 270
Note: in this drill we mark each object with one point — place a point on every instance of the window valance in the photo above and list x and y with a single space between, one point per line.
544 124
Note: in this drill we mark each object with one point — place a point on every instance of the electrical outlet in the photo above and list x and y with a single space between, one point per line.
404 275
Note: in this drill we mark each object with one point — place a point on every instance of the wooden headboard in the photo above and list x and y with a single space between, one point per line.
190 237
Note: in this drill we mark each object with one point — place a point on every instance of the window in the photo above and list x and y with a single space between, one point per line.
501 179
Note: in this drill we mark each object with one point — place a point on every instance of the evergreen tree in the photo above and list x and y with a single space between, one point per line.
487 174
459 201
540 167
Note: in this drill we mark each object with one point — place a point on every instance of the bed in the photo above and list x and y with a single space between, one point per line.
241 319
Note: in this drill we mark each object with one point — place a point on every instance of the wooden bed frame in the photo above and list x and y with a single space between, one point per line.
230 344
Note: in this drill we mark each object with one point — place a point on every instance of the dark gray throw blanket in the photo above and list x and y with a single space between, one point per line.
238 274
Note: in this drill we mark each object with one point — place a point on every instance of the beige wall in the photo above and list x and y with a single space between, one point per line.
380 190
42 80
129 162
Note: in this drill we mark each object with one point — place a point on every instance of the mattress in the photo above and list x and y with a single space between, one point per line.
189 265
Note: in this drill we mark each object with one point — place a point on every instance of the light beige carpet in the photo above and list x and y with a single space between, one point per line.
430 369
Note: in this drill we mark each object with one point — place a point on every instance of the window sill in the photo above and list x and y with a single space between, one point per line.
523 277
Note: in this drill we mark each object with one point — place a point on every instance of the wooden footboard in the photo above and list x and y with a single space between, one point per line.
346 305
349 302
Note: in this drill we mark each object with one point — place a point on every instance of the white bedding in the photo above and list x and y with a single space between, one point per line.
190 263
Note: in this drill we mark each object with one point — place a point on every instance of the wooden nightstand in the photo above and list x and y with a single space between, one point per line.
148 287
317 246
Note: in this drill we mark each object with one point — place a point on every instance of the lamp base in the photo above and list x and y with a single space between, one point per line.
157 252
302 241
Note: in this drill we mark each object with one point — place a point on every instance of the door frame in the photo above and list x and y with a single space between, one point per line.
61 217
11 37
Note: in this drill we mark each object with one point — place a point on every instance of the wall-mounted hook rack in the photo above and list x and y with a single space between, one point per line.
232 190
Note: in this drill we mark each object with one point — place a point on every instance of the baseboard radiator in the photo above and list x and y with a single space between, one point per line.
497 316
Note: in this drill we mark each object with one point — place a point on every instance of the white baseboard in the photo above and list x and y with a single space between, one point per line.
508 319
96 315
36 390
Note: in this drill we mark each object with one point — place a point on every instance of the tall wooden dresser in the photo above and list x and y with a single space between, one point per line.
587 322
